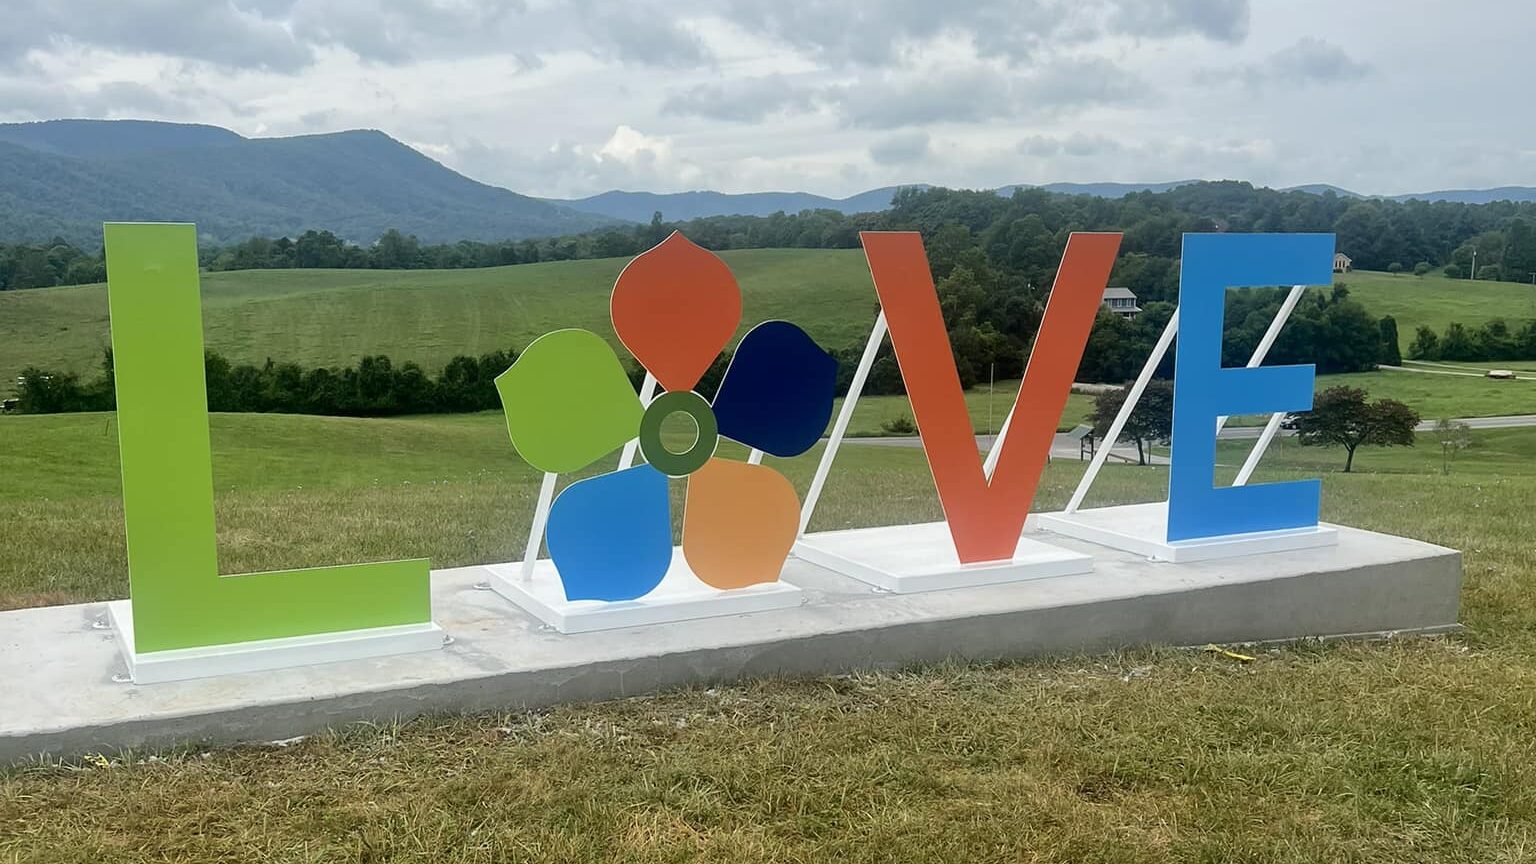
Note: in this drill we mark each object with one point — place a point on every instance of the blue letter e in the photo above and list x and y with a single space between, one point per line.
1203 390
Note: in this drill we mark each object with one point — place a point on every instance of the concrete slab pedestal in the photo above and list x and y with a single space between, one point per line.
64 695
1142 529
908 558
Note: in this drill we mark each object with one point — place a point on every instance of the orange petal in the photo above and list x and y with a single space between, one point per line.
675 307
739 523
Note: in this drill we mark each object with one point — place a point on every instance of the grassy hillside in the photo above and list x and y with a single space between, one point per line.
1437 301
1436 396
326 317
333 317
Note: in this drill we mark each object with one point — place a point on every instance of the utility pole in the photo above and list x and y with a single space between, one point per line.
991 380
1474 263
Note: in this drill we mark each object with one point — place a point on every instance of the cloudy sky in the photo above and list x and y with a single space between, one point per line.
576 97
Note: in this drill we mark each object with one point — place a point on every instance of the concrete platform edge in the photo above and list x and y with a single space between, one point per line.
1420 595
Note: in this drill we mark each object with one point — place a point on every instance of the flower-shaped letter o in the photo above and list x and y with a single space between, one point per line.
568 403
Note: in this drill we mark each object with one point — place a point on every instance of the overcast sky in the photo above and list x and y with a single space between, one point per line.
828 96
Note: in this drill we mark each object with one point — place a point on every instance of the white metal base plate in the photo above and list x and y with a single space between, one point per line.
181 664
679 597
1142 529
905 559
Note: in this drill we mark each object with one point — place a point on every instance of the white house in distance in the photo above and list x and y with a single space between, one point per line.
1121 301
1342 263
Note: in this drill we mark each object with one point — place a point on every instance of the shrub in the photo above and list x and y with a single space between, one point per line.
1391 355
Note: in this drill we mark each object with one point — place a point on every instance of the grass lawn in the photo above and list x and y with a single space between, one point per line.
1478 368
1405 750
1436 301
332 317
988 410
335 316
1433 396
1437 396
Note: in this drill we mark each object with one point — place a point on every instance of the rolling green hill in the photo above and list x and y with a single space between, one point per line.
332 317
1437 301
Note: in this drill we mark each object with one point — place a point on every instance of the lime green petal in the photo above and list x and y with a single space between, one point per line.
568 401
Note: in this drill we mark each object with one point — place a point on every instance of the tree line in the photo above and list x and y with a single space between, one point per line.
48 264
1493 340
1021 235
1377 234
373 387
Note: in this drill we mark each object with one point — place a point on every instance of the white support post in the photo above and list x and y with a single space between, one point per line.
755 457
1002 432
647 392
1257 453
1261 350
540 520
840 428
1131 398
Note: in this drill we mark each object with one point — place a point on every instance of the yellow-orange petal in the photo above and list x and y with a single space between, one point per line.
739 523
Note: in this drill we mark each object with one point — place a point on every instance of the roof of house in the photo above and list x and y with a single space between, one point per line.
1338 255
1119 294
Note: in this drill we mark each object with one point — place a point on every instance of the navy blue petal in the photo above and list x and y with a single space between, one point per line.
777 394
611 536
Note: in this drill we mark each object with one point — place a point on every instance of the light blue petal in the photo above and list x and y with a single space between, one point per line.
611 536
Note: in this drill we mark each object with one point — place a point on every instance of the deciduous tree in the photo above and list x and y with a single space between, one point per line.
1342 416
1150 421
1453 436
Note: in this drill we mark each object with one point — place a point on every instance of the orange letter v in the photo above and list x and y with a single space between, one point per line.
986 518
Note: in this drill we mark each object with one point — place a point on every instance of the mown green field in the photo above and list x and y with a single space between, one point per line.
1436 301
331 317
1433 396
1436 396
1403 750
988 407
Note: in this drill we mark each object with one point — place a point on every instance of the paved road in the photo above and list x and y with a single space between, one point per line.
1066 448
1446 369
1061 448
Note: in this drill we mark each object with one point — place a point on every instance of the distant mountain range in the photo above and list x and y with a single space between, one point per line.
1475 196
65 177
681 206
676 206
638 206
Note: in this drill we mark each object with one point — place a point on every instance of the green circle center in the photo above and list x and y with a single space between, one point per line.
661 409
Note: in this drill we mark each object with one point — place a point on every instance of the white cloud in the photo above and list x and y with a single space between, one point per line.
570 97
1309 60
901 149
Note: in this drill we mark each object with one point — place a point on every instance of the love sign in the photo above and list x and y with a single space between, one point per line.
569 405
